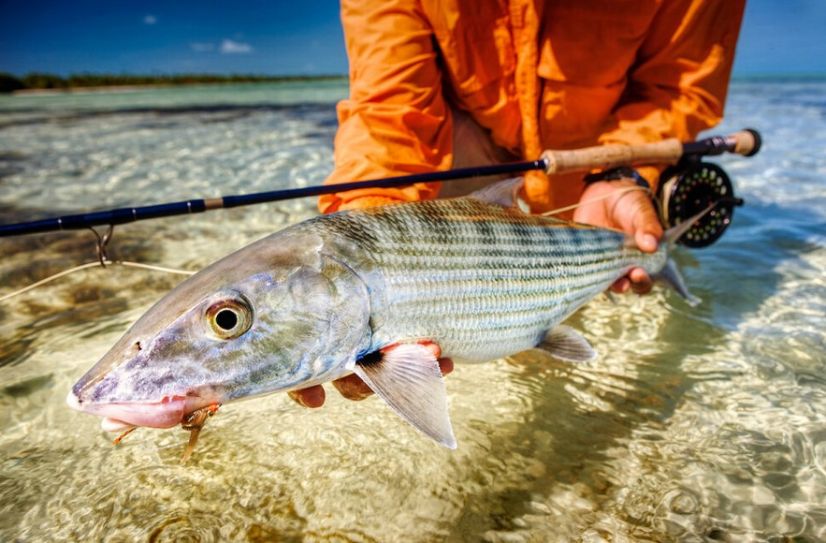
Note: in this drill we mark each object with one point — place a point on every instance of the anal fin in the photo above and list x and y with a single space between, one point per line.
565 343
407 377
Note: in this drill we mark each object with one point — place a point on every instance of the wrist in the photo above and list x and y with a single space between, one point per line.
616 174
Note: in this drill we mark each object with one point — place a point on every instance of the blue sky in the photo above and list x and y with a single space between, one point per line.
297 37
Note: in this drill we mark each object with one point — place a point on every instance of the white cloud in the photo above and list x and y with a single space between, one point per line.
150 19
202 47
230 47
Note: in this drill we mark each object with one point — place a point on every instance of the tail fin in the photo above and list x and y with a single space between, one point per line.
673 234
670 275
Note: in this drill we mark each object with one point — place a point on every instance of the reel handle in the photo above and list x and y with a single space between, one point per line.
745 142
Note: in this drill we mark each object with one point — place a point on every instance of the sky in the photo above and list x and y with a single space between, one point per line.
296 37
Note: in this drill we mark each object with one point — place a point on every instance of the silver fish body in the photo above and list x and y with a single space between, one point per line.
481 280
320 299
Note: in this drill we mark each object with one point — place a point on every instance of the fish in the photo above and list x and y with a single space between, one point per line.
369 292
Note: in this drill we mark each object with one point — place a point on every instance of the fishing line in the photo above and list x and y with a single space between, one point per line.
125 263
102 242
103 260
746 142
151 267
617 192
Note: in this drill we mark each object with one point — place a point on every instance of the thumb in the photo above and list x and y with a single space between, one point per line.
646 225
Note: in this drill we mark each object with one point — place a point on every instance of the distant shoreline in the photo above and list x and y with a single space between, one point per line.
138 88
89 90
37 83
49 84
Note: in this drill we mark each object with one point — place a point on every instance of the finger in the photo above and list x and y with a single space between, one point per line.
308 397
432 347
621 285
646 241
352 387
646 225
638 275
640 281
446 365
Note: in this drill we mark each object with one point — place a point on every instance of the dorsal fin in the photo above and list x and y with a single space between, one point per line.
503 193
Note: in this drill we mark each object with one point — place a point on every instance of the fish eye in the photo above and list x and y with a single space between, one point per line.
226 319
230 318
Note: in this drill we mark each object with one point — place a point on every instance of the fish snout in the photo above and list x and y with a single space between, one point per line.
108 424
166 413
73 401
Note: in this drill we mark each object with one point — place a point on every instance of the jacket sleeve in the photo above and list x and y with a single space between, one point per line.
395 121
678 85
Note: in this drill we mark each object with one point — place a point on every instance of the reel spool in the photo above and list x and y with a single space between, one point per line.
690 188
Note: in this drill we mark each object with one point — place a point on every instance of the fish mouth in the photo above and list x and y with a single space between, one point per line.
164 413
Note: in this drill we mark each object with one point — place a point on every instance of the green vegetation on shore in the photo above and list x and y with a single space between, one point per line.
36 81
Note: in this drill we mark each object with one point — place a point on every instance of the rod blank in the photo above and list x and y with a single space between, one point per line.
746 142
132 214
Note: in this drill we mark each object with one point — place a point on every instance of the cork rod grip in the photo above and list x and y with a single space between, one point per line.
609 156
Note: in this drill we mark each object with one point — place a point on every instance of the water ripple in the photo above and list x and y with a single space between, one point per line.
702 424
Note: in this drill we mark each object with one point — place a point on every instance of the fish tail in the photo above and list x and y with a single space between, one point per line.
670 275
673 234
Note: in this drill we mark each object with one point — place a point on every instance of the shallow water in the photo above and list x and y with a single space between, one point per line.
693 424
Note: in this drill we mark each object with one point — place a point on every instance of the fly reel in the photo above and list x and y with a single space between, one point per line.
690 188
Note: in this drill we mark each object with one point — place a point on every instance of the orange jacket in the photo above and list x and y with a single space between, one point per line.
537 75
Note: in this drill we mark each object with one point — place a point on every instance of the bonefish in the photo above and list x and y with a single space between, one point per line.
366 292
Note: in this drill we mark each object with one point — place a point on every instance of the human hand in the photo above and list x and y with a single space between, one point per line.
629 211
352 387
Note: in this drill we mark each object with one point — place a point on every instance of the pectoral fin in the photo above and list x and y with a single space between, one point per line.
565 343
407 377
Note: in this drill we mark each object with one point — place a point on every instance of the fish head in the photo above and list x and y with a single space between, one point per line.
276 315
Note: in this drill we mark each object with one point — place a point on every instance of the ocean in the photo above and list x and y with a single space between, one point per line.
693 424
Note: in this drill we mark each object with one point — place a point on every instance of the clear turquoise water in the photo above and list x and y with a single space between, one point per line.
693 424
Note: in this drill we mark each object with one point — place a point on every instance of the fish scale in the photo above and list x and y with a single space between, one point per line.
479 279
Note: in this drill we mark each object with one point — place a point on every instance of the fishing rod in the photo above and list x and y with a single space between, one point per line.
746 142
